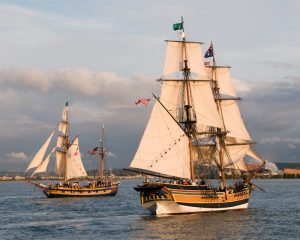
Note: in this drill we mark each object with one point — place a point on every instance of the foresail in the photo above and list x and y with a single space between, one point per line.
203 102
38 158
164 146
175 55
43 166
75 168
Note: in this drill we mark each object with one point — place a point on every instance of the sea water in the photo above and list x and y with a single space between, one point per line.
25 213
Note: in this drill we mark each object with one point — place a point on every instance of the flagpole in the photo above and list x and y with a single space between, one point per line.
214 60
182 28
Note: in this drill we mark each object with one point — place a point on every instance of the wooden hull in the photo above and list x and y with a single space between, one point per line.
59 191
177 199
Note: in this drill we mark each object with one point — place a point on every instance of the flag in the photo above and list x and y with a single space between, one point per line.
177 26
209 52
93 151
206 63
144 101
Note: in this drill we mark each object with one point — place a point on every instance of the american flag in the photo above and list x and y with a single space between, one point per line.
143 101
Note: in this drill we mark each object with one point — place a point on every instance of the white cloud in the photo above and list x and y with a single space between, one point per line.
111 154
16 156
27 77
241 86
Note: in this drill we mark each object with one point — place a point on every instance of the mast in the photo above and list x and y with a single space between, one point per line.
101 167
220 134
66 139
187 107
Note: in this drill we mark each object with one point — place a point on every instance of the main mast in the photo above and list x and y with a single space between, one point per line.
188 123
101 167
66 139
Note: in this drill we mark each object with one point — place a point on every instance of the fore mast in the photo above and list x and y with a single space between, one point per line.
101 166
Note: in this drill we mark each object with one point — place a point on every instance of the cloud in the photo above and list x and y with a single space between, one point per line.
111 154
272 140
17 156
25 77
241 86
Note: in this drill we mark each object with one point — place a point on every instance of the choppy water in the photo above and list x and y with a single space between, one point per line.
28 214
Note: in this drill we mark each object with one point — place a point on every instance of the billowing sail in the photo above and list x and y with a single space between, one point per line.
176 54
164 146
235 155
43 166
38 158
74 166
222 74
203 101
233 120
252 153
230 110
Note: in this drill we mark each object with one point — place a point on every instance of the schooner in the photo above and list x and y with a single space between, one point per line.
195 125
68 165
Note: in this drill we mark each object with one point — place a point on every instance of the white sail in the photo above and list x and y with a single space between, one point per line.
205 107
241 165
230 109
175 55
62 127
43 166
233 155
60 163
233 120
64 114
38 158
203 102
74 166
164 146
223 76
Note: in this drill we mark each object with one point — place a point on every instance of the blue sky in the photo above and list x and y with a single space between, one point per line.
103 55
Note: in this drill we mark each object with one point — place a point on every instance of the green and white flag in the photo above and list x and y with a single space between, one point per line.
177 26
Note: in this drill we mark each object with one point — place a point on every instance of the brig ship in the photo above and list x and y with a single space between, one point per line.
68 165
195 127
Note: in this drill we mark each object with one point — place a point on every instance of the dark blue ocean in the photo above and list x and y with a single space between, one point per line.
28 214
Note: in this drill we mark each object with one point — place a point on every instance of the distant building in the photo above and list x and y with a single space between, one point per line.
293 171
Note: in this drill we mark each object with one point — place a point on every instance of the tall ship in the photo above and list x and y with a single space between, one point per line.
68 165
195 129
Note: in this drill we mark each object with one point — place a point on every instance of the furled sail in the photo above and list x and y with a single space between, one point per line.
164 146
176 54
74 166
38 158
43 166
